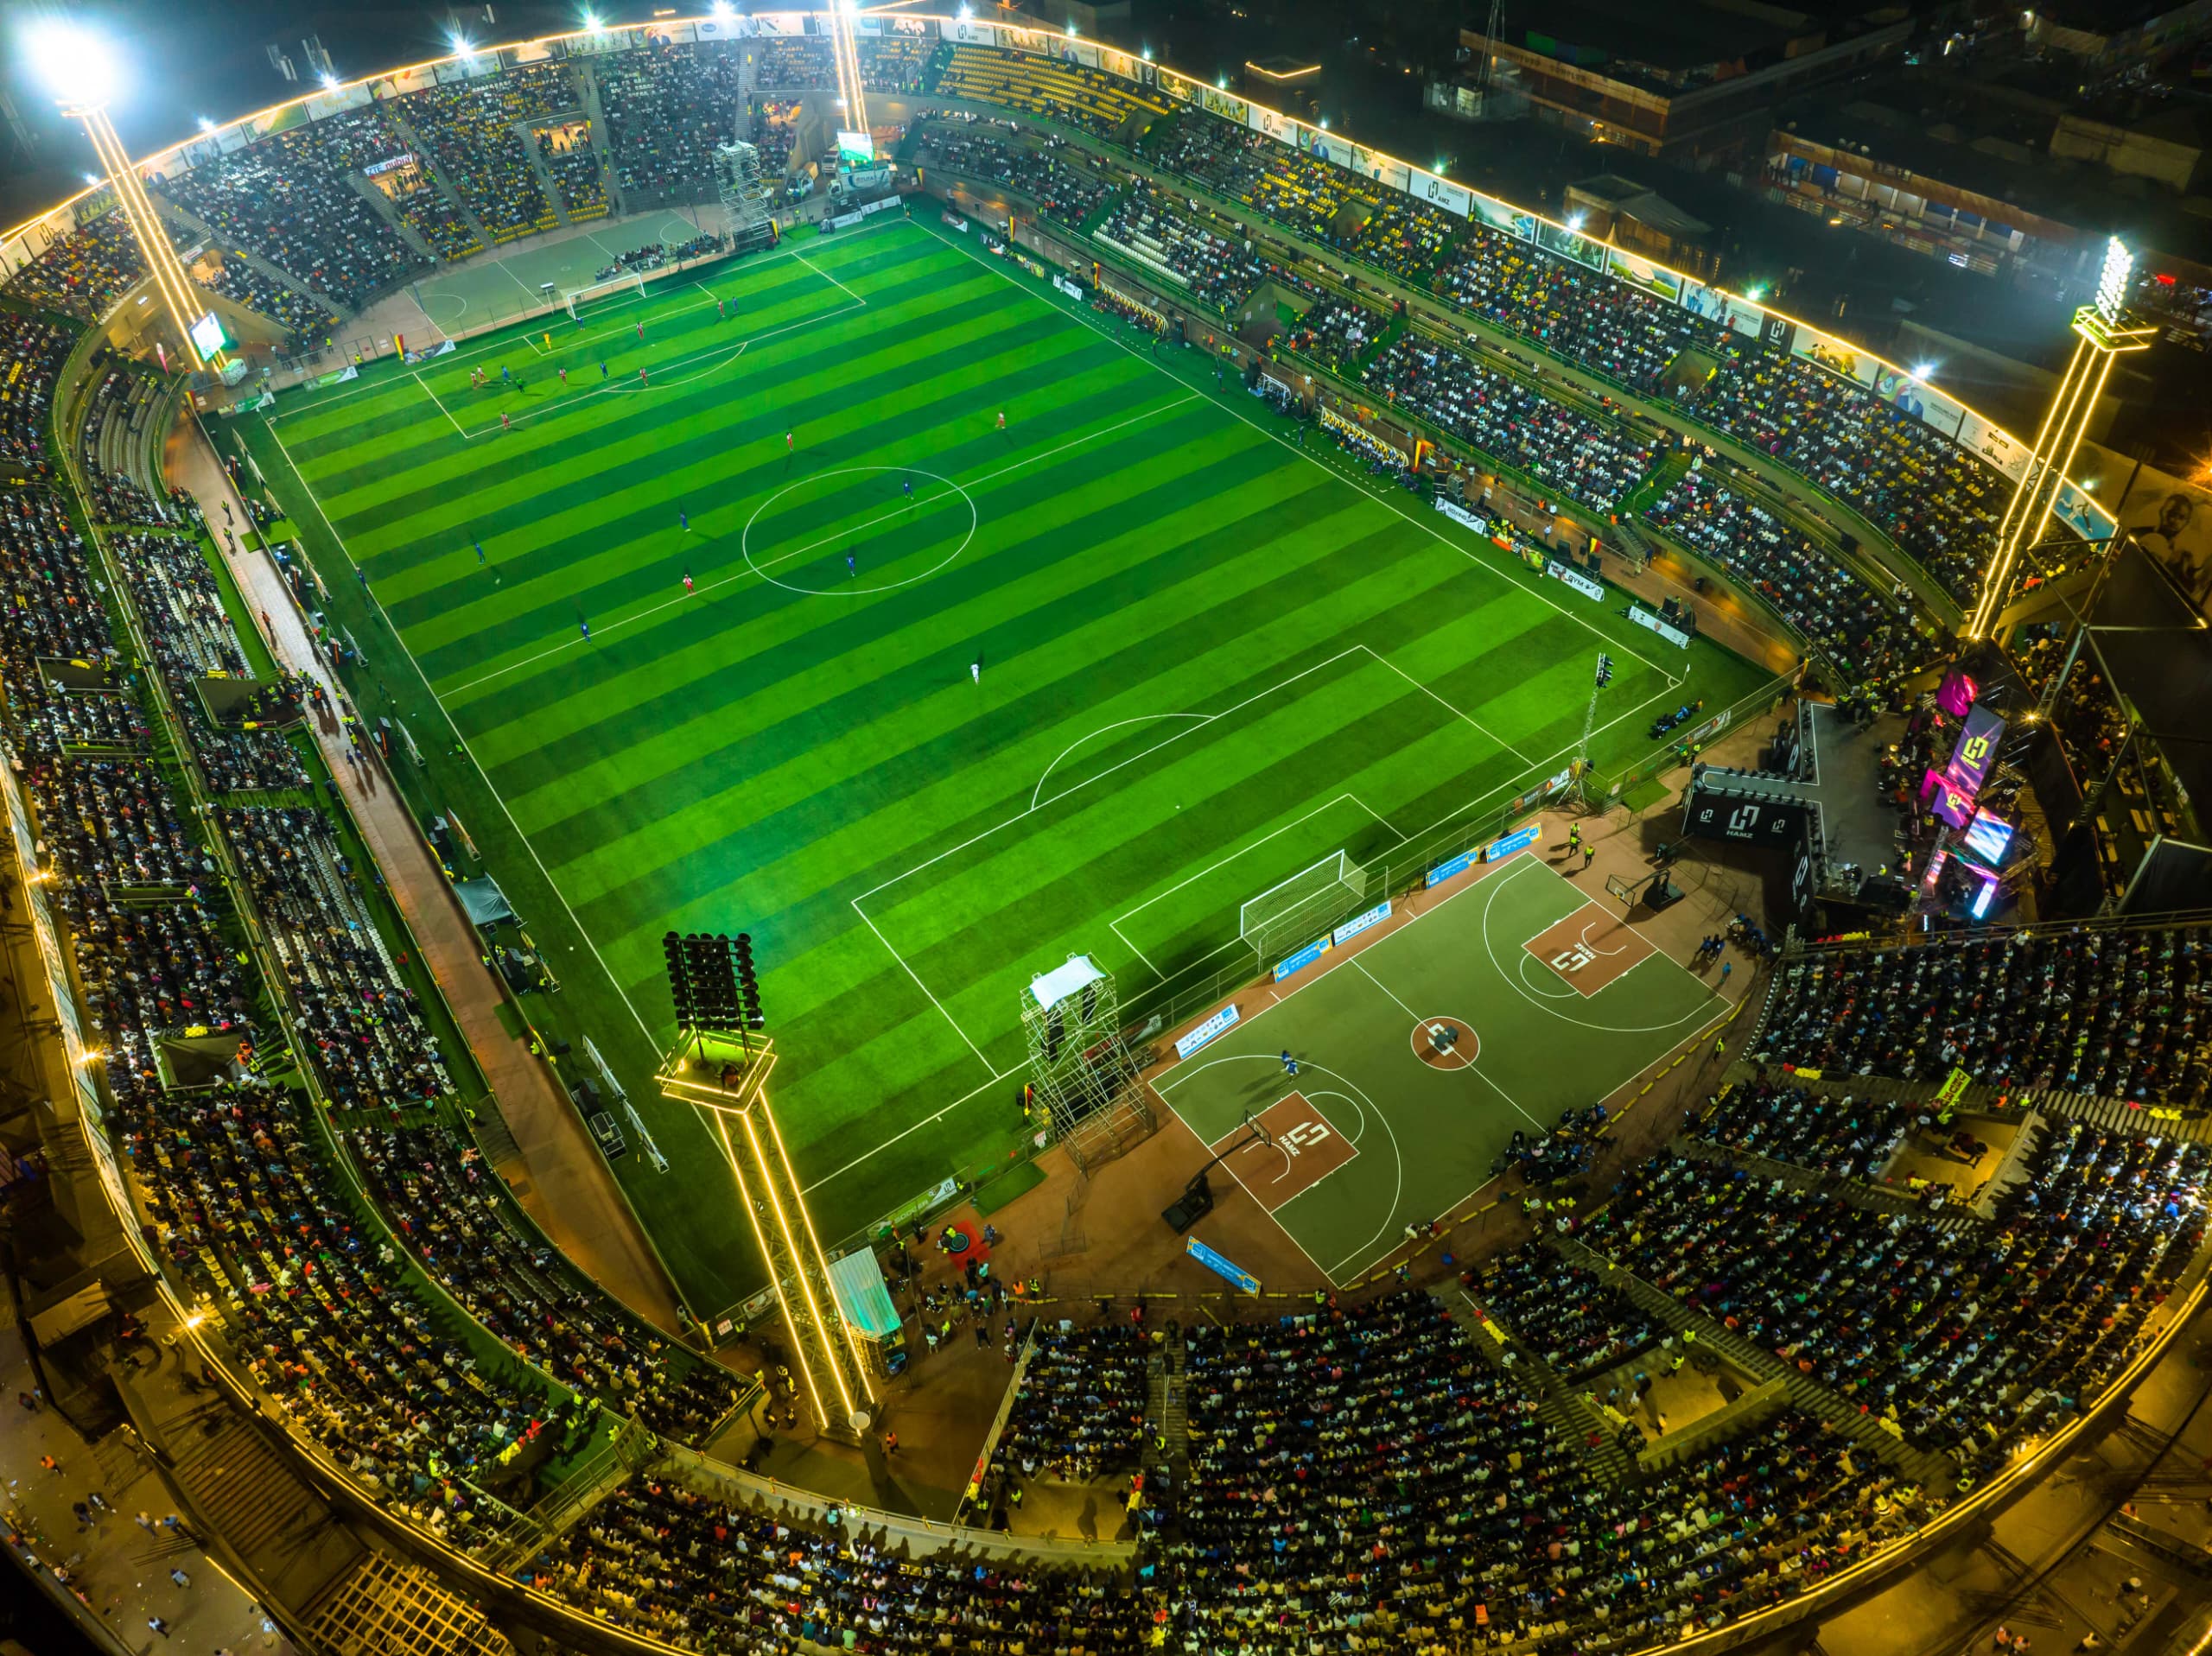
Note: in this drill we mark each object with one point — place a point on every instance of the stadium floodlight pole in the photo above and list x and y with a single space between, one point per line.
80 71
849 66
2106 330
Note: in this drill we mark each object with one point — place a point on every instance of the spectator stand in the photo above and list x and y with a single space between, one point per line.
84 273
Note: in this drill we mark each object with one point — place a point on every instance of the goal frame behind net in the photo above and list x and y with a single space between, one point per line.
1296 910
632 280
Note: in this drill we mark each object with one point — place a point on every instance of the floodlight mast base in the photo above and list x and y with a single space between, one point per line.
723 1076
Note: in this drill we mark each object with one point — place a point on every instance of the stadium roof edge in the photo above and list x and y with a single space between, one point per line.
659 24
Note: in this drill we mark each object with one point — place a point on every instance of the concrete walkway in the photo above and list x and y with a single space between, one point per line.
560 1179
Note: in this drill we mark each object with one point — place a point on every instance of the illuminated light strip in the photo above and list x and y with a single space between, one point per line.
846 51
852 1340
145 226
1997 579
768 1258
806 1286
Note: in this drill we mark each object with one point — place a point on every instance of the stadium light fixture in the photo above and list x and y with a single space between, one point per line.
1923 372
721 11
1755 292
462 46
94 180
966 12
1574 221
329 81
75 64
206 125
591 23
1148 54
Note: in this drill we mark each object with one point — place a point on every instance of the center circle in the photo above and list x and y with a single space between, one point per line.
1445 1042
842 583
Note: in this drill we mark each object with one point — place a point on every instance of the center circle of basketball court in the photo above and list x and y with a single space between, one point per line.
1445 1042
836 579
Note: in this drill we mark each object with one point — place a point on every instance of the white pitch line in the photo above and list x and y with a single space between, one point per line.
925 988
825 276
1326 804
1489 733
1384 987
876 1150
1382 499
776 563
651 1044
317 404
442 409
1115 926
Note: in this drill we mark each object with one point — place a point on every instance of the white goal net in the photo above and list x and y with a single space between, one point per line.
1298 910
599 295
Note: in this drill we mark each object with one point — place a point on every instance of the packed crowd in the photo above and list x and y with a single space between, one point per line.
1621 331
1299 191
471 129
1058 89
1336 334
773 131
244 1211
1563 1312
795 64
347 144
2120 1014
1811 591
709 1576
1855 1137
1940 504
154 970
305 323
1218 271
1079 1414
1046 171
281 200
84 271
360 1024
1588 460
32 351
1957 1337
574 164
447 1207
191 635
892 63
667 108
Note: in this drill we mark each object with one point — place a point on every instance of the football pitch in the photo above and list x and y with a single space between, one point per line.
948 698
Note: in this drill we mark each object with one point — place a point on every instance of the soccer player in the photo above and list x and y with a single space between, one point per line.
505 424
791 438
683 520
687 583
641 376
507 374
975 670
641 333
549 343
851 568
1289 1064
1001 419
722 308
585 627
602 370
910 488
479 545
564 377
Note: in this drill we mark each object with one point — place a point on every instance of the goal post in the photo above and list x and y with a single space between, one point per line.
598 296
1296 910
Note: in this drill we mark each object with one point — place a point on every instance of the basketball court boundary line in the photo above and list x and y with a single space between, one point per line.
1489 948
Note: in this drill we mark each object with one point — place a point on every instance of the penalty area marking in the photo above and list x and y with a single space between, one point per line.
854 590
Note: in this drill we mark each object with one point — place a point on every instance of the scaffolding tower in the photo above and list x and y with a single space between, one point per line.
1079 1064
744 198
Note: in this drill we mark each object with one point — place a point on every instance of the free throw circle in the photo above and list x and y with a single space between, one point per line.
1445 1042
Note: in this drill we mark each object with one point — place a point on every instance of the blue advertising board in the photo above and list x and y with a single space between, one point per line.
1206 1032
1235 1273
1298 961
1520 840
1449 867
1360 922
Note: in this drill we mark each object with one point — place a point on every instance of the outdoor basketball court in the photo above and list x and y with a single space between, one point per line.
1510 998
480 292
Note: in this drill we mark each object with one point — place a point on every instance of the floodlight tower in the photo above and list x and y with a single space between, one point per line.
719 1067
81 72
850 89
2107 331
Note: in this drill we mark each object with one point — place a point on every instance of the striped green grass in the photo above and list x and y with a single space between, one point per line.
1207 661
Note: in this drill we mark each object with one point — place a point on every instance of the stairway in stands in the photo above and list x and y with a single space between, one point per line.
1559 1404
1167 1418
238 1484
1924 1465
